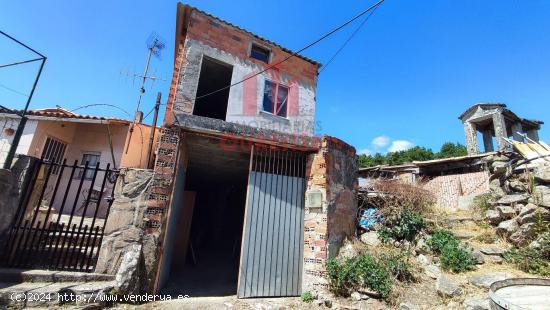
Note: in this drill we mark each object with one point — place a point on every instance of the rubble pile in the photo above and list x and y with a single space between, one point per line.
519 205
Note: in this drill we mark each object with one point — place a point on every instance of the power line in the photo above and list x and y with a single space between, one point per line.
348 40
101 104
14 90
151 111
294 54
20 62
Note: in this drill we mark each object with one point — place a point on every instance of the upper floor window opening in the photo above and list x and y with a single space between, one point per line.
259 52
275 98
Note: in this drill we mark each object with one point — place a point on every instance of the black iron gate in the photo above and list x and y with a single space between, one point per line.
61 217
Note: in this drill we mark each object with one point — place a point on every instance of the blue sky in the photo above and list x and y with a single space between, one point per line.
403 80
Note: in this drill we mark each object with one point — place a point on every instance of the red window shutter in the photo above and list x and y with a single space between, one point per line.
250 95
293 100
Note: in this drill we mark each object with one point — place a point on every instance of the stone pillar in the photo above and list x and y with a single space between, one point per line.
488 140
533 134
143 235
121 248
332 175
517 130
500 131
471 138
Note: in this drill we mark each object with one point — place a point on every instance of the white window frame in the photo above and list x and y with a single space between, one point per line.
90 172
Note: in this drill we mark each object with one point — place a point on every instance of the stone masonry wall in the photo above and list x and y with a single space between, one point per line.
332 172
121 249
134 233
449 188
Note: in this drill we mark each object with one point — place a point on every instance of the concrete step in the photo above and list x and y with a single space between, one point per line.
43 294
52 276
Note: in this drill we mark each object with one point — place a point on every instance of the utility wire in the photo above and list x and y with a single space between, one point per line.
20 62
14 90
294 54
101 104
347 41
151 111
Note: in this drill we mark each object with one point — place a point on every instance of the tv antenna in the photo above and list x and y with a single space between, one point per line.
155 44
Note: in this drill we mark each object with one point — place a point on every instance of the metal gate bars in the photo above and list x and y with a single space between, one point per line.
61 217
272 251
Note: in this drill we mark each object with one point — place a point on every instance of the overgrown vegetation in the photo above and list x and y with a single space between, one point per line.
307 297
541 225
399 265
367 271
441 238
482 202
416 153
452 256
534 260
401 226
529 260
398 196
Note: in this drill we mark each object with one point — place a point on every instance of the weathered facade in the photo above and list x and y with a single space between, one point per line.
243 199
210 51
454 182
494 120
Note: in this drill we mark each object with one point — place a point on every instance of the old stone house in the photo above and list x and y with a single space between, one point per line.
244 198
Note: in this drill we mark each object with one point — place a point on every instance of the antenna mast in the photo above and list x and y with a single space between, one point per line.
155 44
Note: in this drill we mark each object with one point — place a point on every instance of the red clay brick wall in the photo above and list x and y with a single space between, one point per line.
213 32
333 172
178 63
448 188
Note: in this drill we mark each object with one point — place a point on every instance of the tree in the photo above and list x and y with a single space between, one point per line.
417 153
449 149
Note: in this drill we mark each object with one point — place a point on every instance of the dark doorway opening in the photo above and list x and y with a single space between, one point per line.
214 75
206 262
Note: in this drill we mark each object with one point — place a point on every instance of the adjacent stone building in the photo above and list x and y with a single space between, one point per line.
495 122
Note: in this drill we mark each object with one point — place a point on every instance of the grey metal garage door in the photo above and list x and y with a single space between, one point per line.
272 250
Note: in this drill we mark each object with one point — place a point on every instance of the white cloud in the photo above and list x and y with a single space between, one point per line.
365 151
380 142
400 145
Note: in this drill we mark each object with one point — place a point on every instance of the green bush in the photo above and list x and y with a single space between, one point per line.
456 258
404 226
354 273
440 238
452 256
398 265
307 297
529 260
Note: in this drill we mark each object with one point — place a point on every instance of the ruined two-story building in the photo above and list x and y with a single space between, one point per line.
244 198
